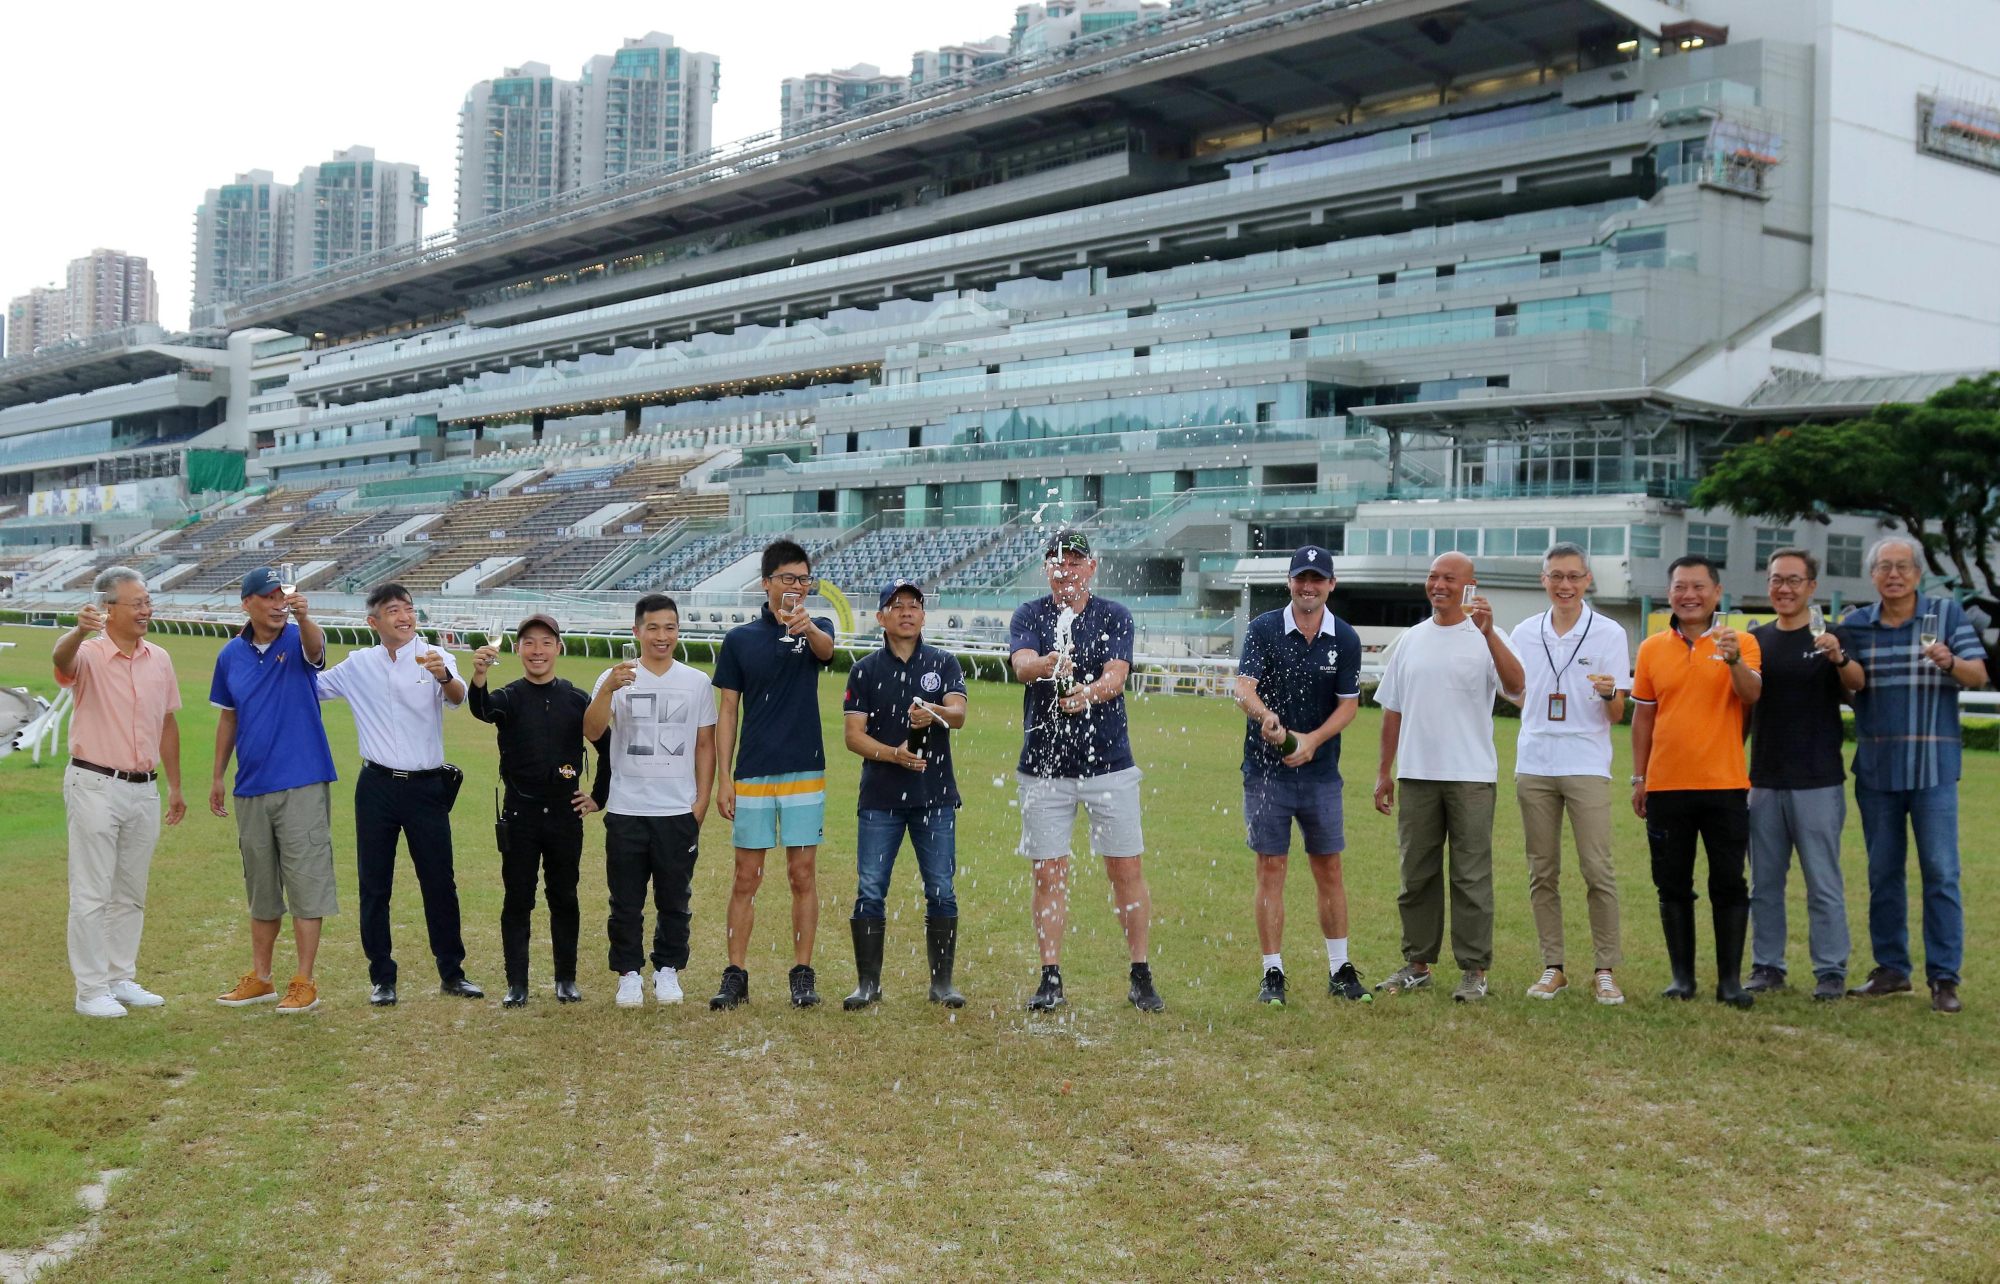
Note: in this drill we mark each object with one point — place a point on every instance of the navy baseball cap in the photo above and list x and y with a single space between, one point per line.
894 587
261 581
1312 560
1068 542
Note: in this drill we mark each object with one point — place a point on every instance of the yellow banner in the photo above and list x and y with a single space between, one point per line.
843 610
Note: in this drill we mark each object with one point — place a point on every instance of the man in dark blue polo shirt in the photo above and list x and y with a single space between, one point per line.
902 703
1072 652
1300 684
773 787
268 701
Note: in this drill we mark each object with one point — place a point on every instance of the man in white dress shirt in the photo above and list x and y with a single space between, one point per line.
398 692
1578 670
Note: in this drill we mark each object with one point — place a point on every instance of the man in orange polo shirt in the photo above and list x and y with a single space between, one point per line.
121 736
1692 690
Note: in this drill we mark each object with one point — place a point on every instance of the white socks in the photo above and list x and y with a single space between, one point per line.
1336 953
1274 961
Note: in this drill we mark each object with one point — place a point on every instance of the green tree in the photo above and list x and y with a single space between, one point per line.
1933 468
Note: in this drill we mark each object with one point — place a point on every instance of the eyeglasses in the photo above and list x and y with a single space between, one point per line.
791 581
1789 581
1565 577
1895 568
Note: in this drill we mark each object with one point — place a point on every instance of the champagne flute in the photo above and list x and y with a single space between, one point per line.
790 602
628 652
1927 630
1716 624
288 578
1815 625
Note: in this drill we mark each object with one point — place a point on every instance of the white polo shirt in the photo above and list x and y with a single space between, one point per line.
398 707
1579 745
1442 680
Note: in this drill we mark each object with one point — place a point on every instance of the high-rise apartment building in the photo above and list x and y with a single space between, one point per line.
242 236
35 319
354 205
804 99
927 66
1041 27
520 140
647 105
108 290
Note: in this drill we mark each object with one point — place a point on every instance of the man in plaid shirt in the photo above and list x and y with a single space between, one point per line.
1918 652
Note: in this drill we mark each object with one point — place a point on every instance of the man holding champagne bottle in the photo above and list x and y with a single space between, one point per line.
1299 683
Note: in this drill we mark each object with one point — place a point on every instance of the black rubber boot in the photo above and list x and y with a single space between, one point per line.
1731 922
868 937
941 937
1677 925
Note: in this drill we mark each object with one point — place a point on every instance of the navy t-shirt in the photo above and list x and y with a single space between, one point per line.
280 741
880 687
777 676
1091 743
1302 682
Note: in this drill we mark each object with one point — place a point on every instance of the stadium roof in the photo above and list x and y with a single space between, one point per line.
1235 63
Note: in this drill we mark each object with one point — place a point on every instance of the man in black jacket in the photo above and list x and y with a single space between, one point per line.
540 717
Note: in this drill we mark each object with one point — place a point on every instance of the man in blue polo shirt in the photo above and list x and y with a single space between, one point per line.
773 788
1300 684
902 703
265 690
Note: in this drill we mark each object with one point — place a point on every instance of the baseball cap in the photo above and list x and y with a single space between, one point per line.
894 587
538 621
1068 542
1312 560
261 581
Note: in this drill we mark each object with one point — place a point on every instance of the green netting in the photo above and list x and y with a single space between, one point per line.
209 470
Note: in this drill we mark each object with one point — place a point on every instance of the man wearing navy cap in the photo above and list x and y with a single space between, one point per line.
902 703
1299 682
268 715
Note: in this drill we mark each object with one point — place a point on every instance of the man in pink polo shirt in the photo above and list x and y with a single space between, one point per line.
122 736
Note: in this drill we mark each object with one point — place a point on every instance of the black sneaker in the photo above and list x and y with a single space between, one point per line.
1274 987
1049 995
1830 987
1765 980
735 990
382 995
803 993
1142 995
517 996
1345 983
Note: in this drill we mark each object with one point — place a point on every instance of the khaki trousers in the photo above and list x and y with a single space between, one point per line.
1587 799
113 825
1428 814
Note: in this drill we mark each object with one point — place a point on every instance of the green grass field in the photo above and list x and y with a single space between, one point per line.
1407 1139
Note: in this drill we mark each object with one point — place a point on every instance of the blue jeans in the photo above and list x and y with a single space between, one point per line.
1933 814
934 837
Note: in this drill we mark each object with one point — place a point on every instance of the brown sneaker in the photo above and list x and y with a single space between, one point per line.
1880 982
1606 989
1553 982
248 990
1944 997
300 996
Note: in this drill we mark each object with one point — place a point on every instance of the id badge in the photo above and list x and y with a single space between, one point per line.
1558 707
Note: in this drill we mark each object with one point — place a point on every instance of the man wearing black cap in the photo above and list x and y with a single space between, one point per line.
902 703
268 716
540 717
1300 683
1072 653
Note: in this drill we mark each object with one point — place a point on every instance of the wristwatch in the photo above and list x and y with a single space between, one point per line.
1638 780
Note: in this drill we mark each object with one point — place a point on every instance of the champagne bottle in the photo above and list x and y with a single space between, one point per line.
1289 745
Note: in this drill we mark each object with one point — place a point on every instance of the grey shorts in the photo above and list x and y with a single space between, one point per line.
1048 814
287 843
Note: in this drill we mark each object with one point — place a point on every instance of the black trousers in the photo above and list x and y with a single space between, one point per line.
386 807
1720 820
545 840
663 849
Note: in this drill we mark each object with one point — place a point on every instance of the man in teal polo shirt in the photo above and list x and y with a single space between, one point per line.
265 690
773 783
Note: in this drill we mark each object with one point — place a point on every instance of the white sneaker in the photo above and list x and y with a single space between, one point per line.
631 993
134 995
666 985
101 1006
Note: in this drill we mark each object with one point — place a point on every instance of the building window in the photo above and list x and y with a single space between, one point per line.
1843 555
1607 541
1531 541
1769 540
1645 541
1959 130
1709 540
1499 541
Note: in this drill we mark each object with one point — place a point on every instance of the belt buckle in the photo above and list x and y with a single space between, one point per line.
400 775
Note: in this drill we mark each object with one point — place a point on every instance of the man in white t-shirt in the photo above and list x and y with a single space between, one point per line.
1437 695
1578 670
661 716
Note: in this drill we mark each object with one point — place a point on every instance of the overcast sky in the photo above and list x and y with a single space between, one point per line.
122 116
